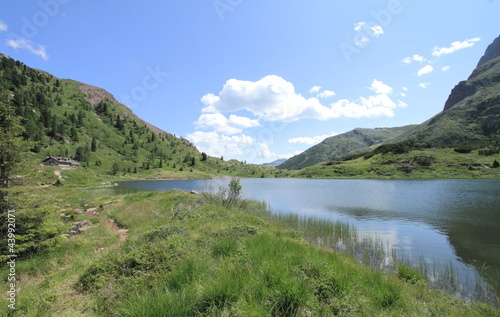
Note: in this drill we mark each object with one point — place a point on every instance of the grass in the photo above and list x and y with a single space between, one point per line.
212 260
416 164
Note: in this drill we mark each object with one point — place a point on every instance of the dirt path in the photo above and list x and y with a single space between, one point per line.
123 233
58 174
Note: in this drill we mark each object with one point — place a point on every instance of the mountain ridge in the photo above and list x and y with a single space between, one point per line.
341 145
472 110
471 113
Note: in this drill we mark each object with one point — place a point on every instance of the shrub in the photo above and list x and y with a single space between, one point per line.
230 196
495 164
424 160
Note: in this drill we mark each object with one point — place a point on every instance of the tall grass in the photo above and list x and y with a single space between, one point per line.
374 252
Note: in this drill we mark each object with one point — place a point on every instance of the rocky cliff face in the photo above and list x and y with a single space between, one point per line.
458 93
472 111
492 52
468 88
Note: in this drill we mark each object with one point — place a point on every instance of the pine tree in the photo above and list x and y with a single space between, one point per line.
115 168
13 148
93 145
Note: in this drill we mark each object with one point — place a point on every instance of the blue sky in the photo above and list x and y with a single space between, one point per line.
263 79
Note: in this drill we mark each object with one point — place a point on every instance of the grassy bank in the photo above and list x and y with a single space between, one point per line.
188 255
416 164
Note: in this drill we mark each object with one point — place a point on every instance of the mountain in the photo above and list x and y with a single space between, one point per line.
339 146
70 119
86 123
471 115
275 163
472 110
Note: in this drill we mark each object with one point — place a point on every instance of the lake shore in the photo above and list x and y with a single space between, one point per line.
185 254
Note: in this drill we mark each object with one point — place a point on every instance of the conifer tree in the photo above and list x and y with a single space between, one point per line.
13 148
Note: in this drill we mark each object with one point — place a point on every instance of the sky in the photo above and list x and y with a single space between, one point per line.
258 80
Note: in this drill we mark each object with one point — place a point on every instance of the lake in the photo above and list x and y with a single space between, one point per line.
440 222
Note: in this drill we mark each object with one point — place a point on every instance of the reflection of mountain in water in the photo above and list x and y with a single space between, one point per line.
466 212
473 245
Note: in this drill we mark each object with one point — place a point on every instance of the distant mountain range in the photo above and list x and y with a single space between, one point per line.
471 114
342 145
275 163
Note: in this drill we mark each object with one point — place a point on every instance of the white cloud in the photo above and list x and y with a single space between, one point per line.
311 140
418 58
219 123
274 99
3 26
424 85
314 89
377 30
326 94
366 32
28 45
358 26
425 70
445 68
414 58
263 151
455 46
215 144
380 88
405 88
362 41
271 98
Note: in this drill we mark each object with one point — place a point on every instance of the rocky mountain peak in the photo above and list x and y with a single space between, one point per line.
465 89
493 51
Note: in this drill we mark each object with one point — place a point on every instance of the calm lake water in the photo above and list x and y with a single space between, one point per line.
439 221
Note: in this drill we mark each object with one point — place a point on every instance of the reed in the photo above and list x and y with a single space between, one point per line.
378 254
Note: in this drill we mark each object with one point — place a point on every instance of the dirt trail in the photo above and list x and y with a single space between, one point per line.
123 233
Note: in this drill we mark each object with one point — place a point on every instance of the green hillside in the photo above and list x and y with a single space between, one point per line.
70 119
339 146
472 111
410 160
468 124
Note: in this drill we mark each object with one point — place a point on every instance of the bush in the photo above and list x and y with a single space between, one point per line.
424 160
230 196
495 164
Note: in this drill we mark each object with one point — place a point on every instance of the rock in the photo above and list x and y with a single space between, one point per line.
493 51
108 203
74 228
459 93
91 209
194 192
66 235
